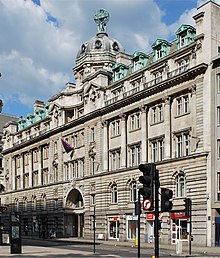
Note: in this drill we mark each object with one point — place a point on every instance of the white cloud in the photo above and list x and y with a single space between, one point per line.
36 58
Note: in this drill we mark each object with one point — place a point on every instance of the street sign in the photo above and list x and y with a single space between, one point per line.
146 204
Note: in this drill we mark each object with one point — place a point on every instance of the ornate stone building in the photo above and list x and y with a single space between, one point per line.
124 110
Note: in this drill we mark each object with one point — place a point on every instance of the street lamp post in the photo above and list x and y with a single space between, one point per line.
93 196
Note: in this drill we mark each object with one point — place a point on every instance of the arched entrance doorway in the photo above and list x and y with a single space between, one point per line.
74 215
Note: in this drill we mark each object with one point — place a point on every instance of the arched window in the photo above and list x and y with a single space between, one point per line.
133 191
114 193
180 186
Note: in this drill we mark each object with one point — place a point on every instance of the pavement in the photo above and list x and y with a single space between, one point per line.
33 251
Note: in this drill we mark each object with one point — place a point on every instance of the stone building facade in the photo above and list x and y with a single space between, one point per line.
124 110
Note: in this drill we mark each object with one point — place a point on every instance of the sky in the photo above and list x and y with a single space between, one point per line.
40 39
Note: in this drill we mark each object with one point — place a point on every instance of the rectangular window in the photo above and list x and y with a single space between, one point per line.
45 152
157 149
26 159
157 114
135 122
135 155
218 82
116 128
92 165
182 105
45 177
183 144
67 172
35 178
115 157
92 134
218 183
218 116
218 149
35 156
179 106
179 146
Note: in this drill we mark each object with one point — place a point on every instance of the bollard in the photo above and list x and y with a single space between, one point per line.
136 241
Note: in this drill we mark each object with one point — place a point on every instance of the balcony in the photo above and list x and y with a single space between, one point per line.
131 92
153 82
111 101
178 71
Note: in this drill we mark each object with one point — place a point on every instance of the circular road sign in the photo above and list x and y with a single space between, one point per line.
146 204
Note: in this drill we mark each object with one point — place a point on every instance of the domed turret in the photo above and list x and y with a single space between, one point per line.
101 42
98 54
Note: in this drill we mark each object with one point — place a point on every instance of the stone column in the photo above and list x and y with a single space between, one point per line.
123 141
105 142
192 109
30 168
12 168
144 135
40 161
22 171
167 127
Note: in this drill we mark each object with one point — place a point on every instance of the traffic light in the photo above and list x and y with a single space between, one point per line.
166 203
148 182
187 206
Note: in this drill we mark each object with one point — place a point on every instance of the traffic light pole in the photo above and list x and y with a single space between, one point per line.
190 227
156 212
139 225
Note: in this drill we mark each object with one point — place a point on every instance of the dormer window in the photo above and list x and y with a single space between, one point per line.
139 60
161 49
185 35
119 71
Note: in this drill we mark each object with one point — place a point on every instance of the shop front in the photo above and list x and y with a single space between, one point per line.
179 227
113 228
132 227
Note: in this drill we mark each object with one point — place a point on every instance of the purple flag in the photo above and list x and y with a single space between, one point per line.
68 148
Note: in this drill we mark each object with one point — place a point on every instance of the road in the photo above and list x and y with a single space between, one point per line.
65 249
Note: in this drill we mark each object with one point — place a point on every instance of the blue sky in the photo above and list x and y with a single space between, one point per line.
40 39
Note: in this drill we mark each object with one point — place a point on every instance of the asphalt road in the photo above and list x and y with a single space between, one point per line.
65 249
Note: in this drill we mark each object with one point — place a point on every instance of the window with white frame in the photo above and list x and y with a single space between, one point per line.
45 176
92 134
35 178
35 156
135 155
180 185
158 53
218 116
115 157
45 152
135 122
18 161
182 105
183 39
92 165
26 158
218 82
218 149
157 114
26 180
67 171
114 193
183 144
81 167
115 126
133 191
218 184
157 146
